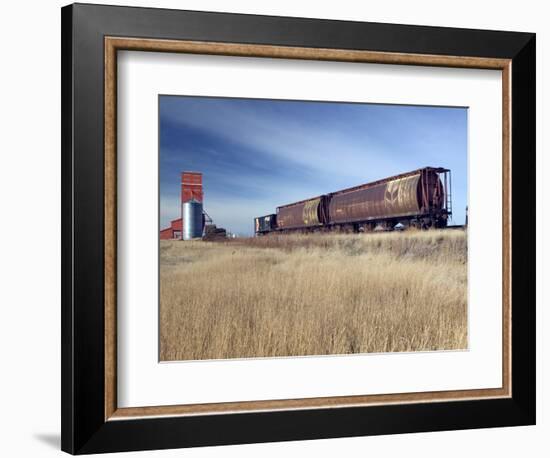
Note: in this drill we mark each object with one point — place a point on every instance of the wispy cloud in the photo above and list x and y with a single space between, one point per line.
315 136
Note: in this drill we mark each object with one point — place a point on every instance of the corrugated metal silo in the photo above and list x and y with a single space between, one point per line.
192 219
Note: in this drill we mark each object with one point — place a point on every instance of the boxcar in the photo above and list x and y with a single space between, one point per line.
265 224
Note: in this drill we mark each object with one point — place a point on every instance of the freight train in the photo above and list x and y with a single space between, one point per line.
419 199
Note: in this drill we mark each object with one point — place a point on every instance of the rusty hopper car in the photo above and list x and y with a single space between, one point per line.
419 198
305 214
265 224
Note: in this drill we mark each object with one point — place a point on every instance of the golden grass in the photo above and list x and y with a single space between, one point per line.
313 295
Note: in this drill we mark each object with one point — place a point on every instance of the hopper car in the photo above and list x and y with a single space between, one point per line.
420 199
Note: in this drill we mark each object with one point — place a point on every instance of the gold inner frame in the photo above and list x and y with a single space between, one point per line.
114 44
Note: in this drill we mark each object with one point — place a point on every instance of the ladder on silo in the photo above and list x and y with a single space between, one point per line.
207 218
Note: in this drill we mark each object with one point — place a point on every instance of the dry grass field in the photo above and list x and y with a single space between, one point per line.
313 295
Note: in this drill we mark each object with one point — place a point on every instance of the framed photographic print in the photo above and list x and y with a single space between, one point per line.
281 228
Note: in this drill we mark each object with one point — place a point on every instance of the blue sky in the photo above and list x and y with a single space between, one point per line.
258 154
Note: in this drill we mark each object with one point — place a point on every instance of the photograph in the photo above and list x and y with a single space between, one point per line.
278 226
310 228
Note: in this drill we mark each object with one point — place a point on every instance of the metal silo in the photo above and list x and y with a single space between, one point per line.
192 219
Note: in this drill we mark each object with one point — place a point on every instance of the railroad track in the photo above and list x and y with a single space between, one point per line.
456 226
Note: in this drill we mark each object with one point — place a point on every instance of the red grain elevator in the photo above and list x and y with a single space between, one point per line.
191 187
191 204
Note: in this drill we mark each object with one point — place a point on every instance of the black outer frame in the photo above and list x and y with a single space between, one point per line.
84 429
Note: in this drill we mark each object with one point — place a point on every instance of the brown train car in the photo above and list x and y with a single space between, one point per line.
414 195
308 213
